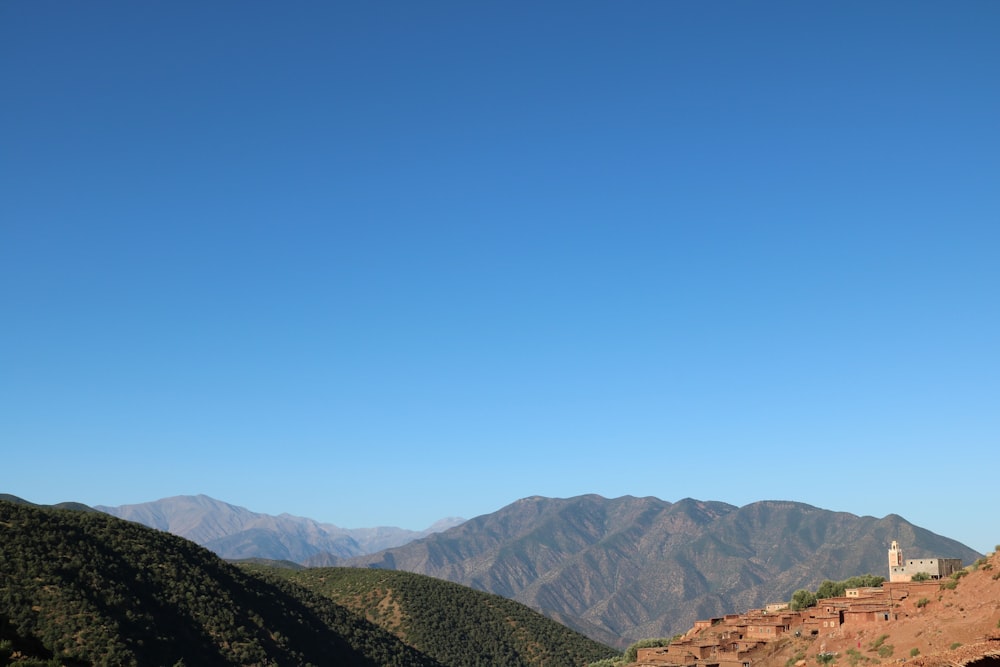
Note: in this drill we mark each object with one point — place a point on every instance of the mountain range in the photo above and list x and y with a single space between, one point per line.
80 589
616 570
236 533
628 568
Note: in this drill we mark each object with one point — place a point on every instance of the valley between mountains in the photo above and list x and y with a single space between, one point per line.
616 570
80 588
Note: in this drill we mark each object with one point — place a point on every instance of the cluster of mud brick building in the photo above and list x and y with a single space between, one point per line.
735 640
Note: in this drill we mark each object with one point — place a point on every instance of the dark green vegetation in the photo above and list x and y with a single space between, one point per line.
832 589
61 506
88 589
454 624
85 588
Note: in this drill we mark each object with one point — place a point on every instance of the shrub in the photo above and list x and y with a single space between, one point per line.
799 655
854 657
825 658
914 652
877 642
885 650
922 602
955 645
833 589
950 584
920 576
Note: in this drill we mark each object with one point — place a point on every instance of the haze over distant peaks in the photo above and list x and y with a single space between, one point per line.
235 532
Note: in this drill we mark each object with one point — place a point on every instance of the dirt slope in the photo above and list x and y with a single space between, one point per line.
952 627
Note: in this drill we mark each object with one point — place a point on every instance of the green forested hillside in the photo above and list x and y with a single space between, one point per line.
454 624
88 589
82 588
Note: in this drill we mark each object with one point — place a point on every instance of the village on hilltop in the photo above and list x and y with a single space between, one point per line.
736 640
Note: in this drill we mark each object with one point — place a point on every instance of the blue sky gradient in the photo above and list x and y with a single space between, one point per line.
381 263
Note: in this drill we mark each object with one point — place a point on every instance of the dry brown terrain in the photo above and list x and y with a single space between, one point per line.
951 623
953 627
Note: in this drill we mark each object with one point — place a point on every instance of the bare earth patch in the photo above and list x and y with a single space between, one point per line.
954 627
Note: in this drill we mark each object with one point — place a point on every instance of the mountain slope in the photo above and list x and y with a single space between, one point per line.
643 567
237 533
82 589
87 588
454 624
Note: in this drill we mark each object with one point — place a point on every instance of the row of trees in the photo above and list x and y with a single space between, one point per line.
802 598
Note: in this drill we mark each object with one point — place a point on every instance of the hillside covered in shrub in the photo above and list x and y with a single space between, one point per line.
454 624
84 589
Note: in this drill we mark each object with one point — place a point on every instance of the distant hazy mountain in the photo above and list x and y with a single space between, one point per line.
630 568
237 533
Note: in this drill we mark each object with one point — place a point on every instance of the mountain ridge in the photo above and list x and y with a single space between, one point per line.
615 569
644 567
237 533
87 588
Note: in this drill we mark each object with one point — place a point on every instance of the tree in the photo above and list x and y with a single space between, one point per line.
801 599
830 589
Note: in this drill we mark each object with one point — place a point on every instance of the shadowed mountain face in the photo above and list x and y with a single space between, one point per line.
237 533
627 568
85 588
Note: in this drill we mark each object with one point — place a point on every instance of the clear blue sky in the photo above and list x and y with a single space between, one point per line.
381 263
